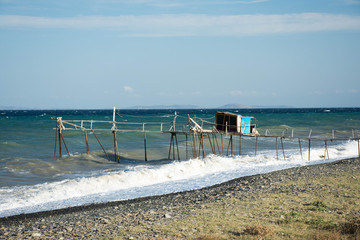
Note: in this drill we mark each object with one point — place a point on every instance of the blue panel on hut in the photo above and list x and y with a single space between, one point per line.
245 124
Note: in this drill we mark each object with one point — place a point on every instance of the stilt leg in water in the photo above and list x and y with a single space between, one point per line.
101 145
87 143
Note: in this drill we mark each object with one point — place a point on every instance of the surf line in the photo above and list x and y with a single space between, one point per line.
201 136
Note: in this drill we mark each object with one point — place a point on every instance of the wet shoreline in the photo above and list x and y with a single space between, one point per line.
109 219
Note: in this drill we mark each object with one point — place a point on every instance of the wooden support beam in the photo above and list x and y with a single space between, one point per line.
222 144
277 151
186 146
326 152
145 146
87 143
56 133
101 145
282 146
173 147
256 143
65 145
202 144
60 147
177 146
117 158
171 141
194 144
217 143
239 144
300 150
309 150
211 145
230 143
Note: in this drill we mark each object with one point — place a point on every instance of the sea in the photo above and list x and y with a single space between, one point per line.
34 178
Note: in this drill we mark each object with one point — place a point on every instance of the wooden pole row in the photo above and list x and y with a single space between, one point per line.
213 142
173 141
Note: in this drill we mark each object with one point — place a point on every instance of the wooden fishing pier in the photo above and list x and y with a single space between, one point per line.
219 137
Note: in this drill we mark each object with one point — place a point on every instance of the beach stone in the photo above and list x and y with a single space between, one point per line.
36 234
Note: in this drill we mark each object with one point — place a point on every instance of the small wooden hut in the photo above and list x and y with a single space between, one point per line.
231 122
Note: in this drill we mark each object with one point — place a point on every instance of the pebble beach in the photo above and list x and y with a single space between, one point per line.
116 219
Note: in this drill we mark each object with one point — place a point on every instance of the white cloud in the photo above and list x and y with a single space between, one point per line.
352 2
354 91
192 24
349 91
244 93
128 89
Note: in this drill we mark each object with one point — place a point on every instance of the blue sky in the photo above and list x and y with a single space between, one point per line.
123 53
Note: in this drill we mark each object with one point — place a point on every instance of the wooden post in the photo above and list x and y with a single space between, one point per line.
239 144
326 152
101 145
282 146
177 146
186 146
300 150
114 115
358 147
230 143
211 145
87 143
309 151
65 145
56 132
173 134
199 149
60 148
117 159
231 139
217 143
194 143
202 144
277 152
256 142
222 144
171 141
145 146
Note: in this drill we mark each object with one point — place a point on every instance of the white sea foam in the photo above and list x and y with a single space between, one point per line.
147 180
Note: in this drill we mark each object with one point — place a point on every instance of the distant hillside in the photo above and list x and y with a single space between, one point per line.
239 106
233 106
226 106
10 108
166 107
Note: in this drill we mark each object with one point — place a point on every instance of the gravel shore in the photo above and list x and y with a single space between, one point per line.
112 219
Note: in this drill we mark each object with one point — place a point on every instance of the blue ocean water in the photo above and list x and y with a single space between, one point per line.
31 179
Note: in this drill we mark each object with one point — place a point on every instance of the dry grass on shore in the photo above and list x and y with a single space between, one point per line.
326 207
